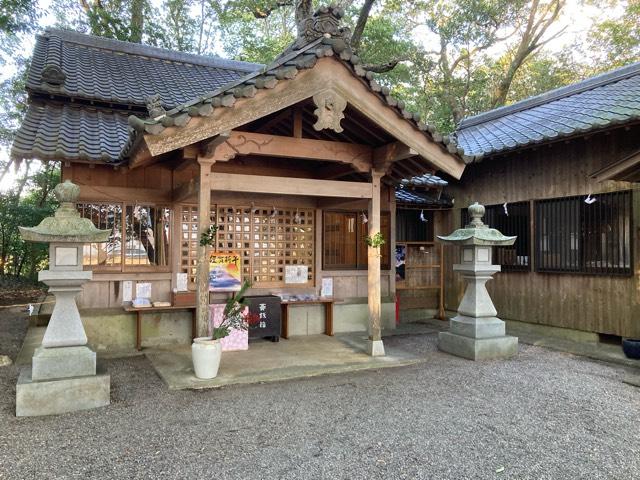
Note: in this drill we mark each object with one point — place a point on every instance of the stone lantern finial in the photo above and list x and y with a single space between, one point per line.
476 212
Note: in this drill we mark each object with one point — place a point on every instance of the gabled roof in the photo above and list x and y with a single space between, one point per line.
303 55
600 102
81 66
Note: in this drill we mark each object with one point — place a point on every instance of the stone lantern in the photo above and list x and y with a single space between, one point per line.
63 375
476 332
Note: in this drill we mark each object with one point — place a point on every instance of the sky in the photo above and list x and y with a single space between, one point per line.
577 19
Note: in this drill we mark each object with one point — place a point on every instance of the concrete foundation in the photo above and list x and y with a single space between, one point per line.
52 397
375 348
478 348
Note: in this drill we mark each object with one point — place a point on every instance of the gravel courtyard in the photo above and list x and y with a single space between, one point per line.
542 415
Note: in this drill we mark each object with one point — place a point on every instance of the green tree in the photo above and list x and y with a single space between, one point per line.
616 42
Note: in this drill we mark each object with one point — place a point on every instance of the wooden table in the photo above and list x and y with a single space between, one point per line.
140 311
328 313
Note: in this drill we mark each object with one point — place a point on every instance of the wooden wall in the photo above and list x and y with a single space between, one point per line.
603 304
154 184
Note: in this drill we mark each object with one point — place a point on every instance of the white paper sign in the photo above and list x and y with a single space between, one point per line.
127 291
143 290
296 274
327 287
181 282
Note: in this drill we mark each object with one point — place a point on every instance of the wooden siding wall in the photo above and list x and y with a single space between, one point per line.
153 184
602 304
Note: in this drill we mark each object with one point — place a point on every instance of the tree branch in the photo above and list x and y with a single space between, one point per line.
361 23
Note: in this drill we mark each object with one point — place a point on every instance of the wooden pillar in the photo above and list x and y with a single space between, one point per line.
375 346
202 266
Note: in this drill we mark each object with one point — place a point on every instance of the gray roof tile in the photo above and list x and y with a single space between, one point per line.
421 198
63 131
599 102
112 71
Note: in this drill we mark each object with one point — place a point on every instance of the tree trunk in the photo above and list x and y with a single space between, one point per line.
137 21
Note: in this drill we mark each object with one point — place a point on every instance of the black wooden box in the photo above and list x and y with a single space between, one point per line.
264 311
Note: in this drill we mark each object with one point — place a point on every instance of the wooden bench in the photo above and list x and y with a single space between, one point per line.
140 311
328 313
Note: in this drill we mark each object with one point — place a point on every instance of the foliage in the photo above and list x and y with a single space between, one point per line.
234 314
375 241
17 16
19 258
616 42
208 237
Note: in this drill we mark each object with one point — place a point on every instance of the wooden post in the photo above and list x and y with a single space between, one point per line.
202 266
375 346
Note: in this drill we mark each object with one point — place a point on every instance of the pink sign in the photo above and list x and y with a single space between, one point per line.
237 339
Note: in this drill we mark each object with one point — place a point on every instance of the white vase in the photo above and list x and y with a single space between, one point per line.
206 354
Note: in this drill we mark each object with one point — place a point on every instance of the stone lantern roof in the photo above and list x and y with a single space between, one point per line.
66 226
476 232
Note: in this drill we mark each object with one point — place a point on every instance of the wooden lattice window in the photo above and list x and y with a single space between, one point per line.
344 241
189 239
147 235
139 236
267 238
105 216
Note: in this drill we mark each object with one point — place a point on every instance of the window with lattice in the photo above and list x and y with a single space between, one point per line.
139 237
267 238
189 239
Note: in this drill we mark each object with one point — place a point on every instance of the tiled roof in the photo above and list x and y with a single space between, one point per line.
426 180
71 132
420 198
600 102
83 66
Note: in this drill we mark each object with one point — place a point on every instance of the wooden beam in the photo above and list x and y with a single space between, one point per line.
297 122
336 171
233 182
627 169
384 156
373 267
91 193
186 190
248 143
202 266
209 148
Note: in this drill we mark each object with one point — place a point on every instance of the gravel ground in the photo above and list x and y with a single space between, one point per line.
544 415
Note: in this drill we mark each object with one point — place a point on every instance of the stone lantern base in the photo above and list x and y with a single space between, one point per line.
478 339
61 395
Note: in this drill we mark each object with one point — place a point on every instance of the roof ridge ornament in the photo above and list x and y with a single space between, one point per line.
154 106
53 75
325 22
